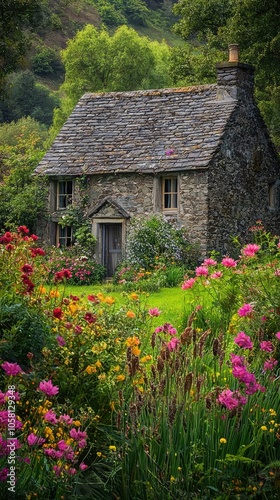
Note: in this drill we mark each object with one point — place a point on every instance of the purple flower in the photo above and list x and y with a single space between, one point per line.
50 416
269 364
230 400
171 346
243 340
60 340
11 368
32 439
169 152
48 388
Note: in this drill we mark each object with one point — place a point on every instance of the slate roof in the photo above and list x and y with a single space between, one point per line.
131 132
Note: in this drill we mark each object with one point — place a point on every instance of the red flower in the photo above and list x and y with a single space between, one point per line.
63 274
9 247
93 299
23 229
57 313
30 286
74 297
37 251
90 318
34 237
27 269
78 329
7 238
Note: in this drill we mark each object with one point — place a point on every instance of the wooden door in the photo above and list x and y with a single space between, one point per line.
111 246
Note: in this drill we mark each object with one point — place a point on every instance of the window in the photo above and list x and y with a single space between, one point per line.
170 193
64 193
64 236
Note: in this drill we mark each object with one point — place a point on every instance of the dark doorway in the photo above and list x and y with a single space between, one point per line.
111 247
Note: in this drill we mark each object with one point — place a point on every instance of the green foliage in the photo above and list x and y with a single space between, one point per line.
46 62
154 240
97 62
22 195
117 12
22 128
254 25
27 98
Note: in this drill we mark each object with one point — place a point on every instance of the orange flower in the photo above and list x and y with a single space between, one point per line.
109 300
135 351
134 296
120 378
132 341
130 314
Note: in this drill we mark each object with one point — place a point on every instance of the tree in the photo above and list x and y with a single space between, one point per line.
15 17
97 62
254 25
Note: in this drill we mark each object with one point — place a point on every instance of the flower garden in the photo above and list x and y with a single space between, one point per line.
103 400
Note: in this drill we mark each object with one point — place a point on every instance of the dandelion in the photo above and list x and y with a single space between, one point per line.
223 441
263 428
48 388
112 448
245 310
243 340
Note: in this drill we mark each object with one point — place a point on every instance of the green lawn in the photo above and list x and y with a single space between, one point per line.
171 301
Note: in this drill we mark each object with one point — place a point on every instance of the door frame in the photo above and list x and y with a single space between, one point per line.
97 232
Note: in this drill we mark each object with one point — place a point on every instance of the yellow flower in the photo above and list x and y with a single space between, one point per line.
136 351
120 378
98 364
72 308
130 314
132 341
272 412
223 441
54 293
172 479
112 405
112 448
109 300
146 358
263 428
101 297
77 423
90 369
179 469
134 296
99 454
117 368
102 376
42 289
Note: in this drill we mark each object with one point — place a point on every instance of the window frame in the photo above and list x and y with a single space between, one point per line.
173 193
67 196
68 237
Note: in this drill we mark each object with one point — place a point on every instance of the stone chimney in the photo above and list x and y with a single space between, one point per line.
234 79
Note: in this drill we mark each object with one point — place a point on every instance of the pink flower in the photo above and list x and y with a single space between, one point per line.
4 474
201 271
50 416
250 250
269 364
188 283
266 345
32 439
237 360
23 229
169 152
60 340
245 310
83 466
243 340
78 330
277 335
154 311
227 399
171 346
66 419
48 388
216 274
229 262
77 434
62 446
209 262
11 368
57 470
277 272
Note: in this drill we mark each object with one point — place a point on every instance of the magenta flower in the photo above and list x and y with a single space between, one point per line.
154 311
228 400
62 446
50 416
237 360
266 345
188 283
48 388
77 434
90 318
171 346
243 340
245 310
66 419
57 470
32 439
209 262
269 364
169 152
229 262
277 335
83 466
12 369
60 340
201 271
4 474
250 250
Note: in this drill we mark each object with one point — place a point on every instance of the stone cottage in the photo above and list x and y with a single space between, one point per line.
199 155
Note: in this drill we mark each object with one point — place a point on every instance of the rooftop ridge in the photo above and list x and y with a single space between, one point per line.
150 92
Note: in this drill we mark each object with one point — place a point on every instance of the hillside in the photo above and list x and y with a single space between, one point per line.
61 19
